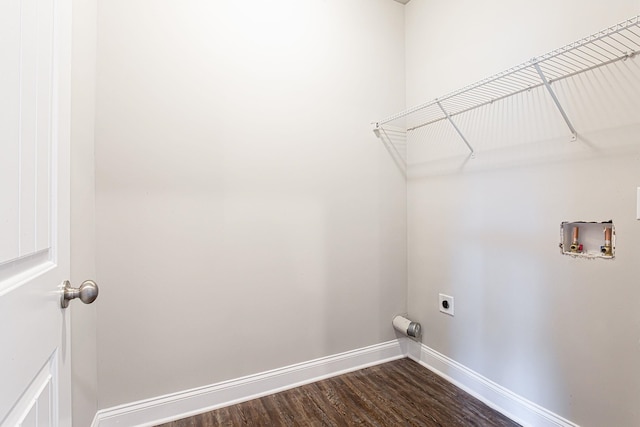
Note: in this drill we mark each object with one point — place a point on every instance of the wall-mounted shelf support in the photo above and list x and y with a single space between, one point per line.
574 134
455 126
393 138
375 127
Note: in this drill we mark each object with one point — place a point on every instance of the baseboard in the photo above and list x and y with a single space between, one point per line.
499 398
191 402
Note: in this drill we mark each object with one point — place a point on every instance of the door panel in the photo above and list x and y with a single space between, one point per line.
9 129
35 48
37 406
25 126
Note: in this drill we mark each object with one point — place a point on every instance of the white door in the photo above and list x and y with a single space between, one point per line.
35 39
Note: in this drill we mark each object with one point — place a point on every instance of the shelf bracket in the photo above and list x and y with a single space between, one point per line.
375 127
455 126
574 134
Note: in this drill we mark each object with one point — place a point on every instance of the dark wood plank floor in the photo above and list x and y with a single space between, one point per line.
398 393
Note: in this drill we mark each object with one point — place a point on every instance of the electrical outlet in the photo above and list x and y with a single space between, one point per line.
445 302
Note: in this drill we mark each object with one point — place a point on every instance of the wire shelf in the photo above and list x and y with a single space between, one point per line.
619 42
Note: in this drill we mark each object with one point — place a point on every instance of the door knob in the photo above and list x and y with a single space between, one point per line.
87 292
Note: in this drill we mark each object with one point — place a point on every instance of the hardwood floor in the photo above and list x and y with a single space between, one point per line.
398 393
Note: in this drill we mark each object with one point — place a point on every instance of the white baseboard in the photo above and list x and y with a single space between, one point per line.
497 397
191 402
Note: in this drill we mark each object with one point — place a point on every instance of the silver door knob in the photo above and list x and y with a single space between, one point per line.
87 292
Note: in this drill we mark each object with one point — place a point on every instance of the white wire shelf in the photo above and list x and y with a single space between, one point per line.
616 43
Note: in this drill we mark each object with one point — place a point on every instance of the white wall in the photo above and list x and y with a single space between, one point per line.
83 317
559 331
247 217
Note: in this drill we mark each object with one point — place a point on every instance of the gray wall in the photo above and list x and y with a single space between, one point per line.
560 331
247 217
83 317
